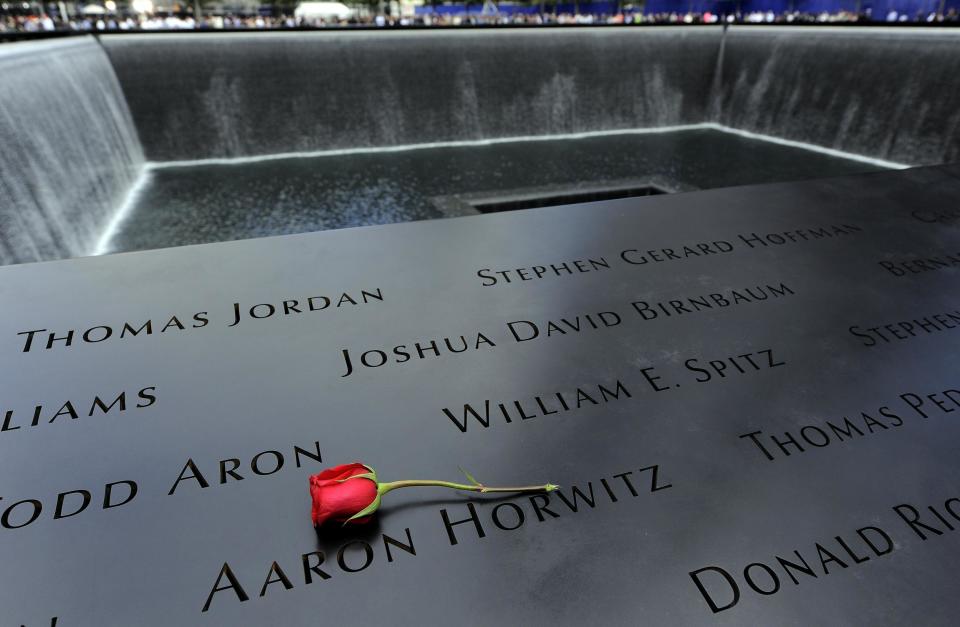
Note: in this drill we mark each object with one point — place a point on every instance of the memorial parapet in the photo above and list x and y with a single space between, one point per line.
750 398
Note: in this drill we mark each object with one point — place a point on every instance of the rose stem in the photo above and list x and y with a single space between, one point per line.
393 485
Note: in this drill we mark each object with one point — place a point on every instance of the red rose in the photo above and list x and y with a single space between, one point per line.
350 493
342 492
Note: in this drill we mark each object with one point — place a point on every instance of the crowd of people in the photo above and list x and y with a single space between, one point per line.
35 23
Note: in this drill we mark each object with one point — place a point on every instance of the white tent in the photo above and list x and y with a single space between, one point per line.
322 10
93 9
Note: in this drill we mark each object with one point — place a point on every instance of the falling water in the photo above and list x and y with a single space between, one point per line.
69 151
248 94
882 92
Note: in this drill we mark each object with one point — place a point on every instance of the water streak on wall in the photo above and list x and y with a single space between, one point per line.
204 96
886 93
68 148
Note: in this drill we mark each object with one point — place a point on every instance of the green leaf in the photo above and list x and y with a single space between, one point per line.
470 477
366 511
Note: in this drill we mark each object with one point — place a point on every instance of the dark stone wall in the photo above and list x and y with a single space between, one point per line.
887 93
882 92
197 96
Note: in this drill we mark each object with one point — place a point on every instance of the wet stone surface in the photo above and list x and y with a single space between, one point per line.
211 203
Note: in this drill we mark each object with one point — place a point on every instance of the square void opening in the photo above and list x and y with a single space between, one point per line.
551 198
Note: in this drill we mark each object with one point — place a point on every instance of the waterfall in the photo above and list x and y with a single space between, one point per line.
70 151
221 95
882 92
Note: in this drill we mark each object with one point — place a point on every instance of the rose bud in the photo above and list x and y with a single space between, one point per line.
350 493
345 493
